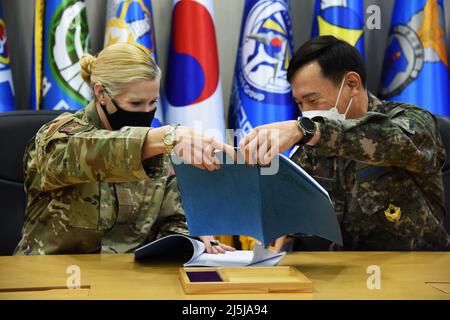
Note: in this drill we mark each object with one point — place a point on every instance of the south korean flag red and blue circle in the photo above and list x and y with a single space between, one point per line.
193 88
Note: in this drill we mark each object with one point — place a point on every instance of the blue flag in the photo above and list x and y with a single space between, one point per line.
7 102
343 19
61 37
261 93
132 21
416 65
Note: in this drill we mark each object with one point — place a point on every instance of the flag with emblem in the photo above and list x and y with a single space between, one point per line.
415 66
193 88
61 37
261 93
132 21
7 101
343 19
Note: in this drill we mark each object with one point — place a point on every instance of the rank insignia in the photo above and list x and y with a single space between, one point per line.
393 213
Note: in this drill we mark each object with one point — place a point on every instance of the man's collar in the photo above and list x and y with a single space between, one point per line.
375 104
92 116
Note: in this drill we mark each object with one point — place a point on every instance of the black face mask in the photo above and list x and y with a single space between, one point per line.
122 118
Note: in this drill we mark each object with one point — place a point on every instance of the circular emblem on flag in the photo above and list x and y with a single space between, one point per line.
266 47
4 53
403 61
68 41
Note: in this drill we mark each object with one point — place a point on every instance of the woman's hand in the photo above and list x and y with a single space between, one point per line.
199 150
190 145
220 248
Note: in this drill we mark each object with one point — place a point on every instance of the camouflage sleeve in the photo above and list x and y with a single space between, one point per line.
406 138
171 218
75 152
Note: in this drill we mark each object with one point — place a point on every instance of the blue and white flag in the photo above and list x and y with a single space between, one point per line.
7 101
261 93
416 64
132 21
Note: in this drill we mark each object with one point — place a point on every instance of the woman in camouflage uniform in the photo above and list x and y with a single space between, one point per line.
100 180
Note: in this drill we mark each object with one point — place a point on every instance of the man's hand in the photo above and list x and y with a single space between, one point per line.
263 143
280 243
220 248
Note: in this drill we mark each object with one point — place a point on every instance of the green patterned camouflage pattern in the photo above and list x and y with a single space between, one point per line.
391 156
89 191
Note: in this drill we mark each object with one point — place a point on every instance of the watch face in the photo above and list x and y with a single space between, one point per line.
308 125
169 139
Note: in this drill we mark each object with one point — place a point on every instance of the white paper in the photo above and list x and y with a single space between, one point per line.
239 258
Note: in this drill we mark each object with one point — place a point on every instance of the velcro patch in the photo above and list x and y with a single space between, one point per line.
70 127
75 127
56 125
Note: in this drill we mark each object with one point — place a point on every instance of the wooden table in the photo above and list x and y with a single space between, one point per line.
335 275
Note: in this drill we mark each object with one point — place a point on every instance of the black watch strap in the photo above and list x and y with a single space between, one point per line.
308 127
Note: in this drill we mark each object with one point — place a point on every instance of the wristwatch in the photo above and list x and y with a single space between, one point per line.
308 127
169 137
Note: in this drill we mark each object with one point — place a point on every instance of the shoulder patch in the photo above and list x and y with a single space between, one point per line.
70 127
56 125
73 127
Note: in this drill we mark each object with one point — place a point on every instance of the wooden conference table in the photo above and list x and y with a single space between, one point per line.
335 275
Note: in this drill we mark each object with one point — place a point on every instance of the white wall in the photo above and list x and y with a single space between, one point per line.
18 16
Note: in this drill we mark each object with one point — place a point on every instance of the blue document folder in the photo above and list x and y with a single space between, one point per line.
245 200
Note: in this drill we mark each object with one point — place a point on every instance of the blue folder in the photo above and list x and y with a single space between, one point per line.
244 200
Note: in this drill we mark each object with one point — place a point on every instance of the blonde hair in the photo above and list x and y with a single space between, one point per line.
117 65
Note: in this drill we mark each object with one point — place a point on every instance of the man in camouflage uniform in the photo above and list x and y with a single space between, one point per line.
88 193
380 162
386 196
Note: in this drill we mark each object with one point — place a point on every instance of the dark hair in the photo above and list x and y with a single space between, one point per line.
335 57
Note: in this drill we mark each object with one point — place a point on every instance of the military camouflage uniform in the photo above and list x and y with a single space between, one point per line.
88 190
388 160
